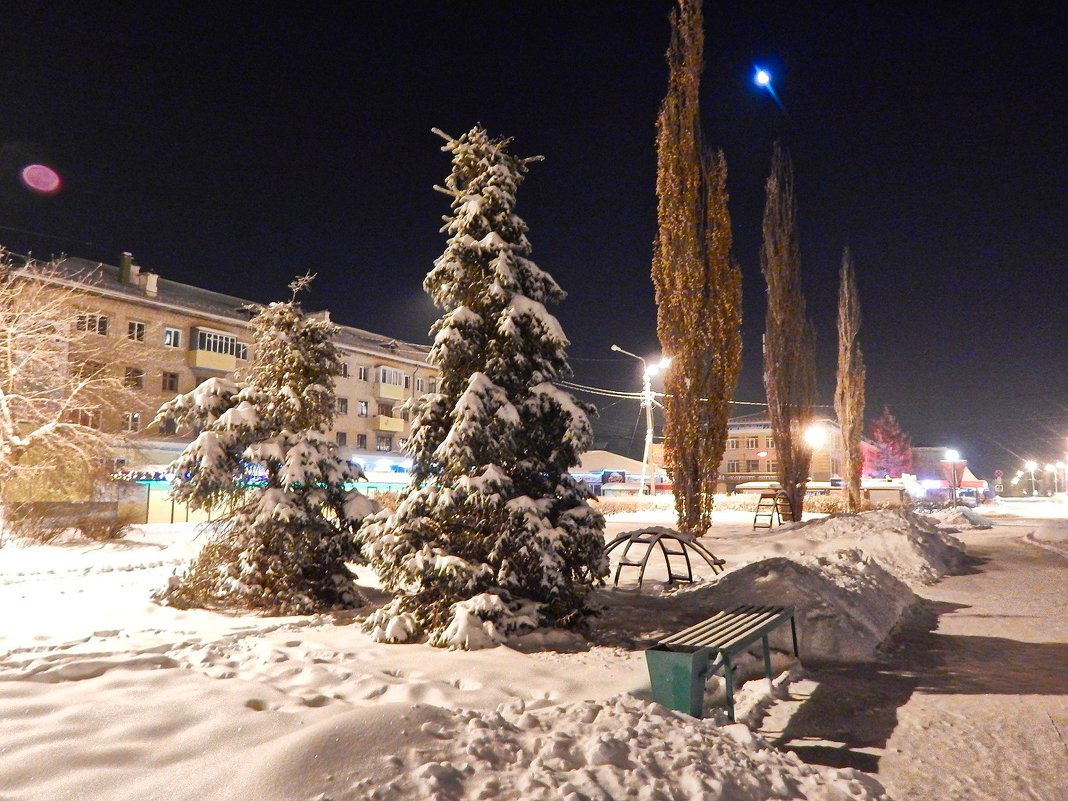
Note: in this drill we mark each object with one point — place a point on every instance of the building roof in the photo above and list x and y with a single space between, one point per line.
105 279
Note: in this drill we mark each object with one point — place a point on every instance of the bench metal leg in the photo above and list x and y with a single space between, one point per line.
767 659
728 676
793 633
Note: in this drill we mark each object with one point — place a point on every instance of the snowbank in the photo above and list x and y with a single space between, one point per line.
612 749
846 604
908 545
961 517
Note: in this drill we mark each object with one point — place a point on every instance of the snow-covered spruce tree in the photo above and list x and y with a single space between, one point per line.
263 456
492 535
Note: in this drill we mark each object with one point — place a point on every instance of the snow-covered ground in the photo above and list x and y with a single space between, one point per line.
107 695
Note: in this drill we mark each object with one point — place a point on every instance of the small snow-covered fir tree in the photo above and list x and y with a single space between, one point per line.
492 535
892 454
262 454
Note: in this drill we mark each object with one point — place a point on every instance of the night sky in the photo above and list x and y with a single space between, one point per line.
235 148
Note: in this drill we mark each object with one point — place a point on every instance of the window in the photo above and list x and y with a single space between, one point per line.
342 438
407 382
391 376
90 370
734 466
433 385
172 338
93 323
420 386
769 442
344 369
170 382
135 331
131 421
773 467
361 408
361 441
385 409
342 406
732 444
752 466
134 378
90 418
752 442
227 344
361 373
168 426
384 444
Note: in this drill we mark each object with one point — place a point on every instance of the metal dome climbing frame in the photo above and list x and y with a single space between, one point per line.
671 543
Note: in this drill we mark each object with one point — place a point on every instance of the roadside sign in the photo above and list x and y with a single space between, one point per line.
999 474
999 487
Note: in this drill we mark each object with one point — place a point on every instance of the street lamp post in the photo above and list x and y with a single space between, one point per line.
953 457
647 403
1031 466
1050 468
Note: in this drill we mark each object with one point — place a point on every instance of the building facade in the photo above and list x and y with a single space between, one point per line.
751 454
178 335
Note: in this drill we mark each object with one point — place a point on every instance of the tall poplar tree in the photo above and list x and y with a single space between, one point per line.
789 338
698 284
493 535
849 392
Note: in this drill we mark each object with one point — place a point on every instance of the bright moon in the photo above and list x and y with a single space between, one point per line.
763 78
41 178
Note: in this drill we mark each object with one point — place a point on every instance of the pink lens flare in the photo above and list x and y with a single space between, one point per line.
41 178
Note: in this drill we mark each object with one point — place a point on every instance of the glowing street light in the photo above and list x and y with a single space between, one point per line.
648 371
762 77
816 436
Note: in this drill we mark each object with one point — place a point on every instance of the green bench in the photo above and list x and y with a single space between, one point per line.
679 664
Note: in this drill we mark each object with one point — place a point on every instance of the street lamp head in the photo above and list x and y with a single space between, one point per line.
1030 465
815 435
617 349
952 455
1050 468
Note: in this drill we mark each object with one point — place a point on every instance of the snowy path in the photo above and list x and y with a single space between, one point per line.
974 697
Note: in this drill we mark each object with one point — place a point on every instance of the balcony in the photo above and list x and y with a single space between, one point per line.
389 391
208 360
386 423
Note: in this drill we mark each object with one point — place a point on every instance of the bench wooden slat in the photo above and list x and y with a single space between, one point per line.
723 627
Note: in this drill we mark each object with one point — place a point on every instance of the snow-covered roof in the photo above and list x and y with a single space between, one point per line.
596 461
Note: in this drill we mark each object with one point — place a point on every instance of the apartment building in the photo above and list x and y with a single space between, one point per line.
180 335
751 454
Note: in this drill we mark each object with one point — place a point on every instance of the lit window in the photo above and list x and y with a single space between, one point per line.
384 444
135 331
361 408
172 338
131 421
134 378
226 344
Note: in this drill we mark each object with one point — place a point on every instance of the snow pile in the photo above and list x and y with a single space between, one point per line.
846 604
908 545
960 517
614 749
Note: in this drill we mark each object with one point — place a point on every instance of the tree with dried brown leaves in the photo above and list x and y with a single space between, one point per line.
698 284
789 338
59 396
849 392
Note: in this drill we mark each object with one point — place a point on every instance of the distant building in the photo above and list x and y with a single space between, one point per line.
186 335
